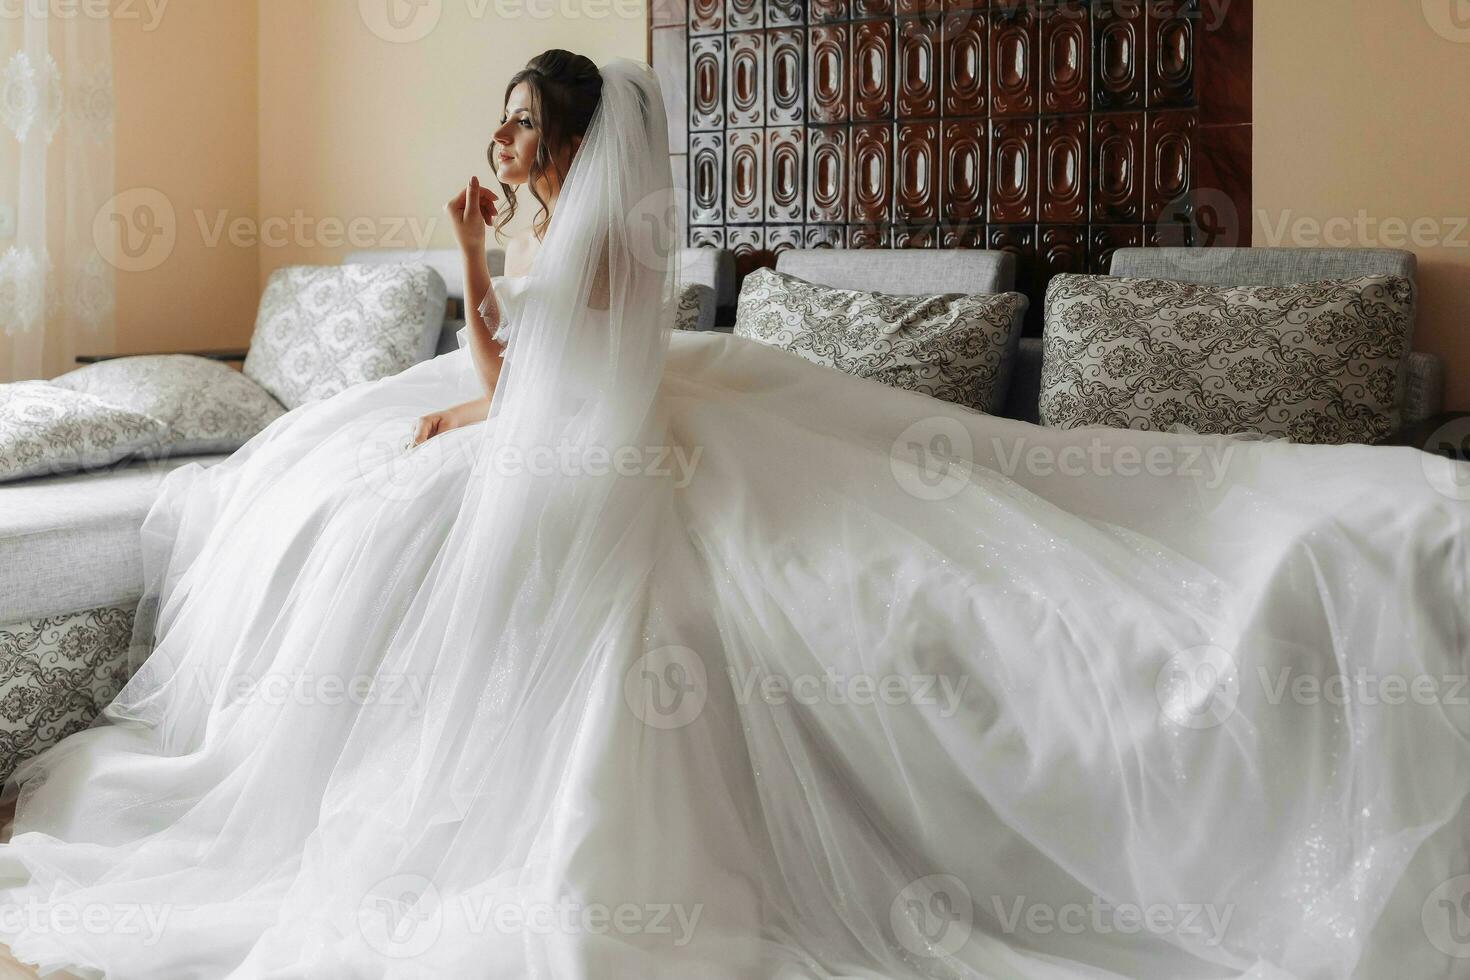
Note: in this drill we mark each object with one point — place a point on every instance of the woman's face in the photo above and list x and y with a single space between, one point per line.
516 139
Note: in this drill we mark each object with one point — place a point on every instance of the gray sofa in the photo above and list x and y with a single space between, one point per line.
907 272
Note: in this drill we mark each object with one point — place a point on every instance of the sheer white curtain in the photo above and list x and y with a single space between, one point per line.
56 178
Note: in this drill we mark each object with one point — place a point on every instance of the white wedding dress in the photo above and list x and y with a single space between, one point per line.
854 683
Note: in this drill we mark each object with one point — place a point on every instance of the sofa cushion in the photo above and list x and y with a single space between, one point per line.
72 542
1314 362
323 329
57 673
954 346
209 407
903 271
45 429
696 309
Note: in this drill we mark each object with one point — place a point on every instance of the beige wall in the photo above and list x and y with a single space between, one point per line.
186 85
1360 106
373 136
278 131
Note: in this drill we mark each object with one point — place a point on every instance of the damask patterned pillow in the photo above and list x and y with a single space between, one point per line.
696 310
323 329
1319 362
958 347
46 430
209 408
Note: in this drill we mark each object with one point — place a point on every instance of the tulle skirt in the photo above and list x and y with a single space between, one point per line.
889 689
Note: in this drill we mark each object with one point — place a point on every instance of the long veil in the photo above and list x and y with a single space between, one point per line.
539 588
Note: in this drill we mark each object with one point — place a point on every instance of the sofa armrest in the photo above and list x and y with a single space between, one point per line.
1022 400
1425 396
227 354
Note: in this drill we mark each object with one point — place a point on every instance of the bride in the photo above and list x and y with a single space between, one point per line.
673 655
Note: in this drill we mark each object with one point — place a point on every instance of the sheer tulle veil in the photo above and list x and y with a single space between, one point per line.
543 567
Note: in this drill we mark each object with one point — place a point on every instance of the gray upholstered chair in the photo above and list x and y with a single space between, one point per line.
1282 266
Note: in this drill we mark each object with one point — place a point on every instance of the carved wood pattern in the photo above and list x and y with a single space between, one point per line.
744 58
783 13
785 162
744 15
1014 43
744 176
1059 130
918 59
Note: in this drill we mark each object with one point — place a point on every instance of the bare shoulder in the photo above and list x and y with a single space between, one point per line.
520 250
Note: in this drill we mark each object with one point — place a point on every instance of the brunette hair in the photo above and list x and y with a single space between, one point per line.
565 90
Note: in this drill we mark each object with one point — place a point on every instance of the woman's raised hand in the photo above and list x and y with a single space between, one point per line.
471 211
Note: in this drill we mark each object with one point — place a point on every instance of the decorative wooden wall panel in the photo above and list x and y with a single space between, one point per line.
1060 130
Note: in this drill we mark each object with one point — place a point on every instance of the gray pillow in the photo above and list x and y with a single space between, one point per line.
208 407
323 329
46 430
959 347
1319 362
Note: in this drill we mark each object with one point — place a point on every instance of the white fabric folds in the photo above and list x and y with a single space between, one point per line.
699 660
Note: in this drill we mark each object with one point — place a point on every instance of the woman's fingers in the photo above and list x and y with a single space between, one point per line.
428 428
472 200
